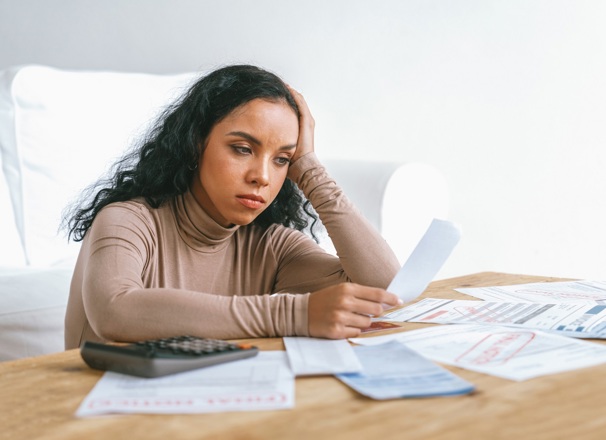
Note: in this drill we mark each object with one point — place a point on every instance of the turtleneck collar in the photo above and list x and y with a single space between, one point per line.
197 228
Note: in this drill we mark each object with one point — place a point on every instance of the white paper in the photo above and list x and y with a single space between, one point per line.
313 356
393 371
506 352
263 382
585 291
428 257
568 319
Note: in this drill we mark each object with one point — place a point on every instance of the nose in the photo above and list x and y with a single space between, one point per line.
258 172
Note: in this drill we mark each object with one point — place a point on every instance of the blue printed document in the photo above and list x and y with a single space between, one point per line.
392 371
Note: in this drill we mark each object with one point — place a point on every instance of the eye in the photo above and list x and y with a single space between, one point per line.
283 161
239 149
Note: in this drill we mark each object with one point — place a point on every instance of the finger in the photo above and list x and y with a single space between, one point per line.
300 100
295 94
392 299
305 143
356 320
293 91
378 295
352 332
350 327
367 308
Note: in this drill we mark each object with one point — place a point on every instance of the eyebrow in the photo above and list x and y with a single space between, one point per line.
256 141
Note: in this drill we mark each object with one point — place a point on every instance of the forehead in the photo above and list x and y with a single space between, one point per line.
262 113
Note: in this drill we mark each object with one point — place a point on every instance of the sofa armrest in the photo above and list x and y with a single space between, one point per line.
399 199
32 311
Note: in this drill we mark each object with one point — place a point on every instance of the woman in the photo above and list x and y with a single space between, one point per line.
199 231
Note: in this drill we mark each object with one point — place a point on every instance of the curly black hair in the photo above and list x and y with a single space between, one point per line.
162 166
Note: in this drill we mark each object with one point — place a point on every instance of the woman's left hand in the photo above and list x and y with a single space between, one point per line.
305 143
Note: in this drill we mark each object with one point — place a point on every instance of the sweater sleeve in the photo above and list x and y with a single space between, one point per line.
112 298
363 254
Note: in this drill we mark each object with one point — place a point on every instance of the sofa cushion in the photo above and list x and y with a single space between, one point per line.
32 311
11 253
59 132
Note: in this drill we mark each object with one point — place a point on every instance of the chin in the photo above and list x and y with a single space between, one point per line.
243 221
243 218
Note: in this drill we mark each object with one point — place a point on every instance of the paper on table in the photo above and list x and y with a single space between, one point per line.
428 257
393 371
263 382
312 356
584 291
578 320
516 354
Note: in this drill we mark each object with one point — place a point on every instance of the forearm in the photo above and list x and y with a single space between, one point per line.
145 313
364 255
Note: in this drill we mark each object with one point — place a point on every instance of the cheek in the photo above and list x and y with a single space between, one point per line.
215 172
278 182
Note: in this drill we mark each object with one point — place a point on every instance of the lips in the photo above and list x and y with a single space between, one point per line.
252 201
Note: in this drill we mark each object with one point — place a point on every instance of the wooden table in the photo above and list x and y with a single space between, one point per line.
39 396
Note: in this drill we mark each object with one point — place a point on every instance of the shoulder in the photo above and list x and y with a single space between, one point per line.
136 209
133 217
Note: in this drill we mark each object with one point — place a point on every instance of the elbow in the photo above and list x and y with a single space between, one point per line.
108 319
107 326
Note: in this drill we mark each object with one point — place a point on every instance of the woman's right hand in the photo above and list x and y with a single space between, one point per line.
305 143
344 310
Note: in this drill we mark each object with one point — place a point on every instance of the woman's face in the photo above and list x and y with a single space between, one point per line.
245 161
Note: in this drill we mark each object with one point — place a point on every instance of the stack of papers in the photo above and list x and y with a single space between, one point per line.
510 353
267 381
590 292
518 332
567 319
387 371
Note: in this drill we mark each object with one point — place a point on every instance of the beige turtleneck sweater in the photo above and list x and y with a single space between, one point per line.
146 273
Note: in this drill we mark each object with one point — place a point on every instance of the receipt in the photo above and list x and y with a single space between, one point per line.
314 356
428 257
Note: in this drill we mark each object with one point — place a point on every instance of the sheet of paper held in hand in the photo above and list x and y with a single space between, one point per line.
511 353
263 382
393 371
578 320
584 291
426 259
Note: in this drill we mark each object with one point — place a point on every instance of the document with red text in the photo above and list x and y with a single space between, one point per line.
511 353
579 320
263 382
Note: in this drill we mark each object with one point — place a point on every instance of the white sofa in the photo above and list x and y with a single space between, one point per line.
59 132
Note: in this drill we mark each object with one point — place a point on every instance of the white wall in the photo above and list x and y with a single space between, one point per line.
507 98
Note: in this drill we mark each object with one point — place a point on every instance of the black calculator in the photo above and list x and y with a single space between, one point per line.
160 357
